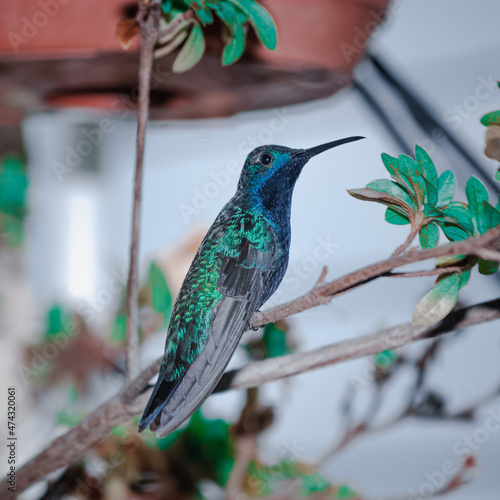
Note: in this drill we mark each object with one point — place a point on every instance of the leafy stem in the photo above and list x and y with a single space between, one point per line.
416 195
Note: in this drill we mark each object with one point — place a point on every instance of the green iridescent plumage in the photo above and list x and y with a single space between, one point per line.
190 324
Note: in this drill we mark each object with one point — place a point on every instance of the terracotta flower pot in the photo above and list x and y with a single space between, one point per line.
322 33
56 27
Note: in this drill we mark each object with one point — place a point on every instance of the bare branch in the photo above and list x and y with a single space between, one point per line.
125 405
271 369
322 294
101 421
148 18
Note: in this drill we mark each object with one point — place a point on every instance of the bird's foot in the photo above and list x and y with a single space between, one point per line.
251 325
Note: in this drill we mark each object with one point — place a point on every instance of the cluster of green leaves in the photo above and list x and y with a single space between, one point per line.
205 444
234 14
417 196
492 119
13 185
266 479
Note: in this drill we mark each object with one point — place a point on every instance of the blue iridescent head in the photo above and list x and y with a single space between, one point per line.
270 172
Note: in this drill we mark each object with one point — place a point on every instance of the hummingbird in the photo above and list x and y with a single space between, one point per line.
239 265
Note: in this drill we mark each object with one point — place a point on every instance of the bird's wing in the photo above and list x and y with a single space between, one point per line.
194 364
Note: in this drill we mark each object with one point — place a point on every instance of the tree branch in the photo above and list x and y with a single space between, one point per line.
148 18
101 421
477 246
127 403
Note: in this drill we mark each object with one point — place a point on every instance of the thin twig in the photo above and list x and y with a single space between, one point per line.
246 450
458 480
148 19
401 248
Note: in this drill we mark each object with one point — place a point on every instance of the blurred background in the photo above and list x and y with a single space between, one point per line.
400 73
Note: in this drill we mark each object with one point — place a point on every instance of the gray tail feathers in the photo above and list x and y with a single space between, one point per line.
162 392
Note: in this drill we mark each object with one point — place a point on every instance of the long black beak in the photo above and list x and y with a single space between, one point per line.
316 150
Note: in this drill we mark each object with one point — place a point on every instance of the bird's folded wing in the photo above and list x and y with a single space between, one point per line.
242 281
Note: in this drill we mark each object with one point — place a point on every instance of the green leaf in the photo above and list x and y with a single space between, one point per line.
491 216
453 232
312 484
429 236
497 175
476 196
275 341
55 321
492 118
391 165
408 167
235 19
13 184
68 419
392 188
161 298
430 211
345 492
449 260
446 188
385 358
394 217
261 21
464 278
234 49
202 12
367 194
166 6
438 302
458 213
487 267
172 44
426 165
191 52
429 172
118 333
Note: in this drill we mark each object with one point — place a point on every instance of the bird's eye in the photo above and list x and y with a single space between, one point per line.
266 159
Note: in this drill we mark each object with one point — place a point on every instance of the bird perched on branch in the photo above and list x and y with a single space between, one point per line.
238 266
